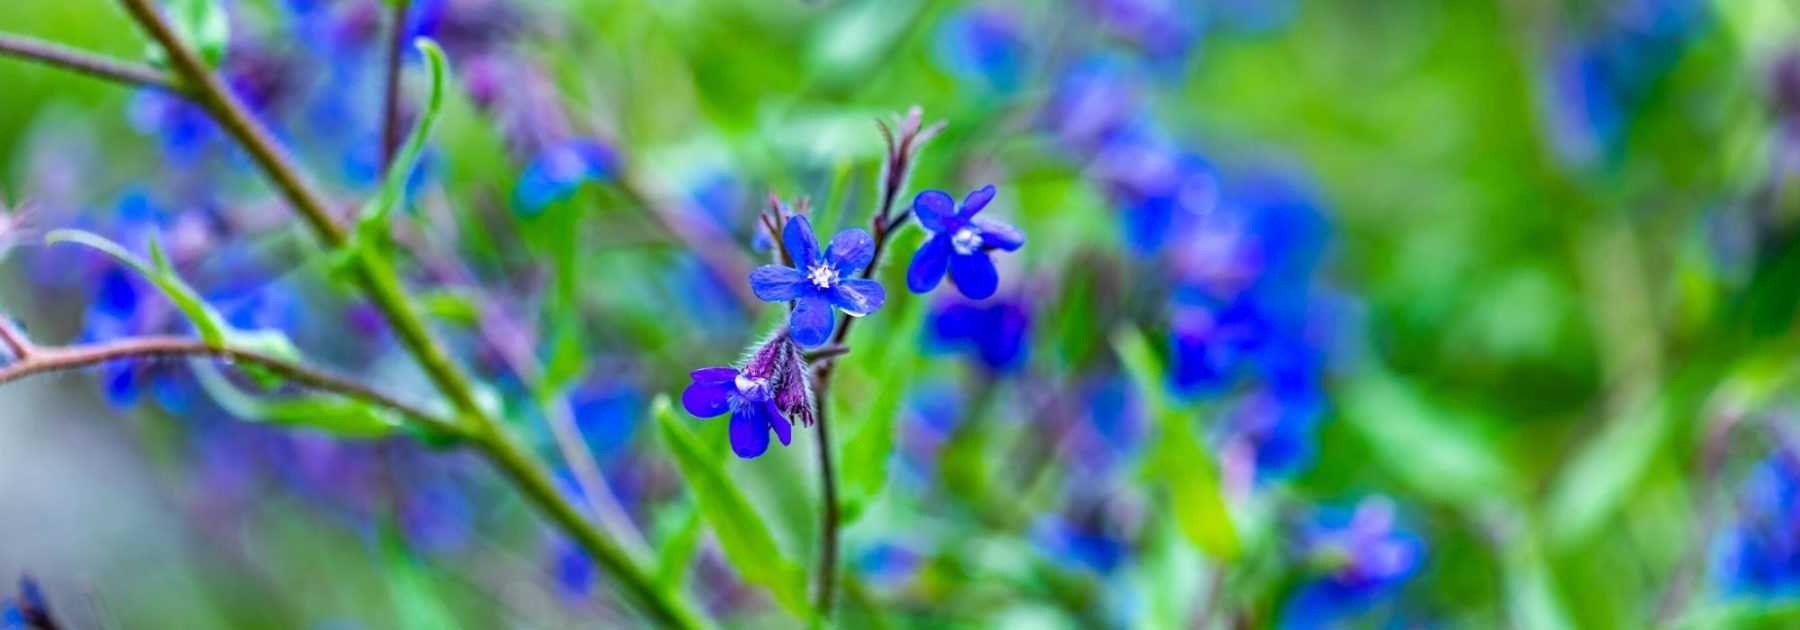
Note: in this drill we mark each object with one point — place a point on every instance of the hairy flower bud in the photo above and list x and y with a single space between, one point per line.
779 362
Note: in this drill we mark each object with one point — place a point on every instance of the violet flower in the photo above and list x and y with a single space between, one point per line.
773 386
817 283
961 244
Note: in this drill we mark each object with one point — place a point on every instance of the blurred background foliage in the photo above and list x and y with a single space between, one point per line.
1522 291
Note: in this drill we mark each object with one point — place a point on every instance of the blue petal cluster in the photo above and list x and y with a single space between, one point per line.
818 283
960 243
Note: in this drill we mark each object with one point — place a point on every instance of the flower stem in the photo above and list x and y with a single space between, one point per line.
381 283
828 530
34 360
390 110
87 63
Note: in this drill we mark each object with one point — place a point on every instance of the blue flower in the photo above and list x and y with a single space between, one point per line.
984 46
751 401
1761 551
1366 555
817 283
961 244
997 333
560 169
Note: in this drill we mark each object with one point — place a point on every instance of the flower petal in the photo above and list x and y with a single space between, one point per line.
801 245
705 399
749 431
997 235
858 296
928 264
713 374
974 274
775 283
933 207
850 251
976 201
784 430
810 323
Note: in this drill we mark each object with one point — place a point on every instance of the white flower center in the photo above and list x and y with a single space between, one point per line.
752 388
822 275
966 240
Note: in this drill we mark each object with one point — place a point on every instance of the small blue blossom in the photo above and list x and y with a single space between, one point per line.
818 283
997 333
1365 556
1760 553
961 244
985 46
560 169
750 400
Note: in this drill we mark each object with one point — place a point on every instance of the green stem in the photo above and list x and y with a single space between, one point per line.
379 281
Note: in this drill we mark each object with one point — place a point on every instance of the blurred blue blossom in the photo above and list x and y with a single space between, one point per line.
961 243
818 283
556 172
1362 555
995 333
984 45
1759 555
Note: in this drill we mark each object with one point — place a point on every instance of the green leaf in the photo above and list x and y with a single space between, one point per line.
1600 478
1177 458
677 551
1530 594
211 325
338 416
871 443
451 305
202 24
740 530
1426 445
373 223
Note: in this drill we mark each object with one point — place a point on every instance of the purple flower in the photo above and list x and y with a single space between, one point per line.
716 390
997 333
961 244
1367 556
816 284
773 386
1760 552
560 169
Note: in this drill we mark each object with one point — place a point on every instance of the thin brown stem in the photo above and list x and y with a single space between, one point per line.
382 284
390 110
91 64
43 360
15 339
829 519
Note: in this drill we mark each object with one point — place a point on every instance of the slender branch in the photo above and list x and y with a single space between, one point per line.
91 64
43 360
383 286
828 533
901 148
15 339
390 111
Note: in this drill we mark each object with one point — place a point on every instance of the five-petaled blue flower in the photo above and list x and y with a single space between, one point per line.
816 283
961 244
750 400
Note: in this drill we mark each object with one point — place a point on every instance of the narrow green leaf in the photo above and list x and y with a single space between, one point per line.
211 325
341 417
1177 457
1600 478
202 24
676 552
393 184
871 443
1429 446
740 530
